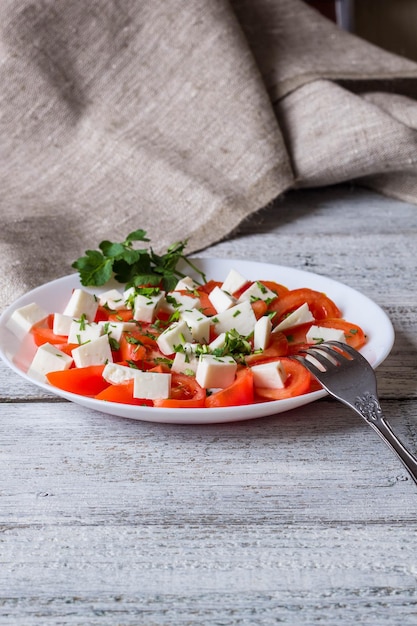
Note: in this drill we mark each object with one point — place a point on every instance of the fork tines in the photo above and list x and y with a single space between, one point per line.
326 354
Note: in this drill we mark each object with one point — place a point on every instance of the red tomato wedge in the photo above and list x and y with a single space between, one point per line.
86 381
135 345
297 382
44 334
240 392
185 393
123 315
259 307
319 304
122 393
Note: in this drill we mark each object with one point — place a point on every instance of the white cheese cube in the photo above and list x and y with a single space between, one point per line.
271 375
198 323
62 324
48 359
151 385
318 334
185 362
257 291
129 297
176 334
233 282
116 374
82 331
240 317
218 343
82 303
221 300
186 284
145 308
217 372
24 318
262 333
116 329
112 299
97 352
302 315
176 301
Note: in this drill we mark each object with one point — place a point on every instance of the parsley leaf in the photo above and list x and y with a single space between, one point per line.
131 265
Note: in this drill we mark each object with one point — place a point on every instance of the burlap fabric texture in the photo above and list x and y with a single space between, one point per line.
182 118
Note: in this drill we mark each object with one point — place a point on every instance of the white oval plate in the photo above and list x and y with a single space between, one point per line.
355 307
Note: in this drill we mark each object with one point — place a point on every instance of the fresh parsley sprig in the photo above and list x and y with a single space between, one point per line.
131 265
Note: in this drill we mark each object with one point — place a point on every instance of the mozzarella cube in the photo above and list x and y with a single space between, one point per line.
257 291
176 301
271 375
97 352
82 331
116 374
185 362
48 359
215 372
262 333
186 284
318 334
240 317
24 318
112 299
221 300
145 308
302 315
218 343
176 334
116 329
82 303
233 282
129 297
151 385
198 323
62 324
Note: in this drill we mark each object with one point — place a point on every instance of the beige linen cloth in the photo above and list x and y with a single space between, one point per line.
182 118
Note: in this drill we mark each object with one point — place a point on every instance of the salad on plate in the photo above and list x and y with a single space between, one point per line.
168 339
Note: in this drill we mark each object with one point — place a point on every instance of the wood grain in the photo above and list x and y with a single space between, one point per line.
301 518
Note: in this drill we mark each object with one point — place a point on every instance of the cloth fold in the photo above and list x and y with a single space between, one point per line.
182 119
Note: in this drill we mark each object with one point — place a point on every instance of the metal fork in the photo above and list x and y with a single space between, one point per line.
348 377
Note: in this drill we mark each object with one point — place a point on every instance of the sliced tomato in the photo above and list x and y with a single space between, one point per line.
205 305
239 393
44 334
86 381
67 348
277 288
297 382
209 286
185 393
135 345
354 334
319 304
122 393
123 315
259 307
102 314
278 346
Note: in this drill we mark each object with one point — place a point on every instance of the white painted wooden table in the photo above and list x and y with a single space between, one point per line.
300 518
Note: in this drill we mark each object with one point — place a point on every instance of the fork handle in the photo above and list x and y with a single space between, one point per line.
369 408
